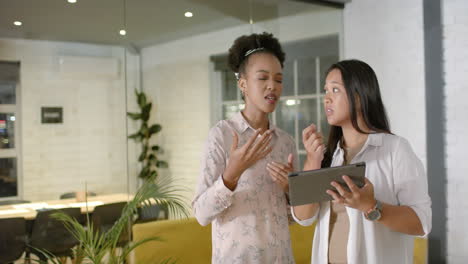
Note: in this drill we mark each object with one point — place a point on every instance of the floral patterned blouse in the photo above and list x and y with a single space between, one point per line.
249 224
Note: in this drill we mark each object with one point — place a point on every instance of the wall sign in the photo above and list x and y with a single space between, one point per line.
52 115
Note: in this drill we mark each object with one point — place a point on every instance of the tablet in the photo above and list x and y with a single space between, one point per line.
310 186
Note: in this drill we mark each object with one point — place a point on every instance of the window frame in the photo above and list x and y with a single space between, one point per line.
16 151
316 47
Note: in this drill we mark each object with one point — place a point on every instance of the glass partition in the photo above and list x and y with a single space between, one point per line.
81 63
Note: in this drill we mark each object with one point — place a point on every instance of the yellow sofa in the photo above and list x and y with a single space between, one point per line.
189 243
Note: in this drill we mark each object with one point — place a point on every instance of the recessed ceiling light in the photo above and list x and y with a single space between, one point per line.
188 14
123 32
17 23
71 1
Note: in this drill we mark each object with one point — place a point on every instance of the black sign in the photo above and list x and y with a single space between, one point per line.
51 115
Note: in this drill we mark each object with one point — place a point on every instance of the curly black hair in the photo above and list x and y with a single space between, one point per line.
237 59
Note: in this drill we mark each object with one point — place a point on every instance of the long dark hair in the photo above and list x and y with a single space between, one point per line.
362 88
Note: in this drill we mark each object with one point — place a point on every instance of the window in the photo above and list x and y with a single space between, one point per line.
9 183
303 78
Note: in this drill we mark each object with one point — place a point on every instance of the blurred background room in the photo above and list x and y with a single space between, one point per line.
69 70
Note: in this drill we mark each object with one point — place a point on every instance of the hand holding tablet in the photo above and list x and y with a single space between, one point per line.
307 187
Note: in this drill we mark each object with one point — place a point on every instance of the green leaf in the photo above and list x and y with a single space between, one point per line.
145 112
144 173
156 148
95 246
152 157
144 129
155 129
141 99
142 156
162 164
154 174
134 116
136 136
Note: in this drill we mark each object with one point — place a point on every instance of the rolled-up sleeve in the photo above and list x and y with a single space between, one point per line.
212 196
305 222
411 184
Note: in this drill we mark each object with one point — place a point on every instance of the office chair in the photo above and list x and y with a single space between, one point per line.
50 234
70 195
151 212
12 239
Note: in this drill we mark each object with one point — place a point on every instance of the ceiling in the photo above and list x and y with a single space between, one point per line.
148 22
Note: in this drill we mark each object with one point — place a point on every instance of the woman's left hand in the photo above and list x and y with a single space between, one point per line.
279 172
361 199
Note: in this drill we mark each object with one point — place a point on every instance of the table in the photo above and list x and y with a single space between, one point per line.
28 210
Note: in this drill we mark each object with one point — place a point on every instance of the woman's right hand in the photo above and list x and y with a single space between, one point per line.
313 144
244 157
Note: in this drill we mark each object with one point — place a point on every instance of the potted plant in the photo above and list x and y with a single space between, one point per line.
149 153
95 246
98 248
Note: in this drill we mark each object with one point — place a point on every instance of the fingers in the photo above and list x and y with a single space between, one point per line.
290 160
345 194
315 142
336 198
367 183
353 187
262 142
264 152
314 146
252 139
278 175
308 131
279 168
235 141
359 198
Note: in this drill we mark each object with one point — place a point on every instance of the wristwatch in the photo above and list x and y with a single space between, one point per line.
375 213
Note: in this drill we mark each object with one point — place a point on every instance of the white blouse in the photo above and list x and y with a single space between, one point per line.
399 178
249 224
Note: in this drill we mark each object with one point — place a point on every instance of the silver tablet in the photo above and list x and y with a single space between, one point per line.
310 186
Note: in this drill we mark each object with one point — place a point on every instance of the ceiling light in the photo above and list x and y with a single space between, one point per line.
71 1
17 23
188 14
123 32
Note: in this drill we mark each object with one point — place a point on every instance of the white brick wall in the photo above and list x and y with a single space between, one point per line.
388 35
177 76
90 145
455 44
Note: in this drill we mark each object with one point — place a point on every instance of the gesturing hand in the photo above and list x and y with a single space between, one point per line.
313 144
279 172
240 159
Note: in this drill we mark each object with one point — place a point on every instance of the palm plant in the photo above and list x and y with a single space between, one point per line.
98 248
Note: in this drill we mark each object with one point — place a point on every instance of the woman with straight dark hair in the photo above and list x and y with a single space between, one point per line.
375 223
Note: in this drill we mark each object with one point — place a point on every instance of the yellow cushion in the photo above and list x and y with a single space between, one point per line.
420 251
184 240
189 243
301 242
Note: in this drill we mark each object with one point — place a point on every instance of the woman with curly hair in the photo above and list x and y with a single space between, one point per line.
237 193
